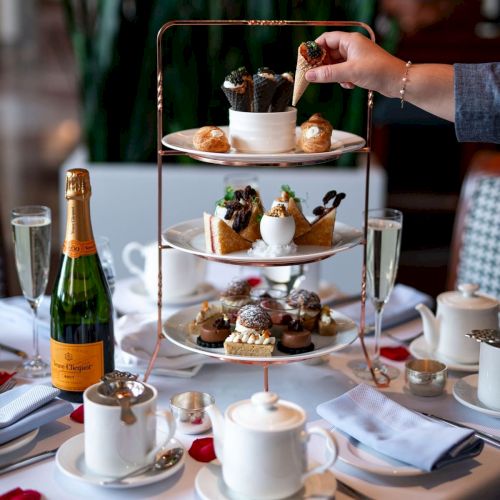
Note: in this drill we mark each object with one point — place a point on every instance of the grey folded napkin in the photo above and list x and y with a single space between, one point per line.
389 428
28 407
400 307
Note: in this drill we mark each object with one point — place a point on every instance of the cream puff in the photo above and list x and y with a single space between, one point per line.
212 139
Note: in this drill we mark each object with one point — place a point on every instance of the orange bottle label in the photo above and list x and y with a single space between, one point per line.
75 248
76 366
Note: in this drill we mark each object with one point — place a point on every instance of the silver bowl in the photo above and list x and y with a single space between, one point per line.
188 409
426 377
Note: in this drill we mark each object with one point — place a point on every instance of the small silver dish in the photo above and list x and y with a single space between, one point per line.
188 409
426 377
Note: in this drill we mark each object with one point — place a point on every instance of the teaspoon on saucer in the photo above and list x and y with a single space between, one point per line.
165 460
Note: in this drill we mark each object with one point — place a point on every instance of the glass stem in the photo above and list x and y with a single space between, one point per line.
35 331
379 309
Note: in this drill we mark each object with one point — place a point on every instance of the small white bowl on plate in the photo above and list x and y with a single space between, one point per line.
262 132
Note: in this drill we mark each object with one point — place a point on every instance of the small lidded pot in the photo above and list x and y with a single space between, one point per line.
277 226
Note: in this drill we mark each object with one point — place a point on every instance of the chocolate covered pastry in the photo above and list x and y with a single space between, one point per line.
295 339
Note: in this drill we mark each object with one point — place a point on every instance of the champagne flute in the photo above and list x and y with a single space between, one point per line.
382 258
107 261
31 228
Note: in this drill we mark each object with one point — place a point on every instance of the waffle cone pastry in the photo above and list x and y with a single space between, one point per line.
282 97
302 225
238 89
309 55
264 86
316 135
220 238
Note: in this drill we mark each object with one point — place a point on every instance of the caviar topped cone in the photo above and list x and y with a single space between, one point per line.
309 55
282 97
238 88
264 85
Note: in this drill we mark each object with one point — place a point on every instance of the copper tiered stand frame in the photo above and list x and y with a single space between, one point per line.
164 152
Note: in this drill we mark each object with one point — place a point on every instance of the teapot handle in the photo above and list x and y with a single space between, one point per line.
331 451
162 415
130 248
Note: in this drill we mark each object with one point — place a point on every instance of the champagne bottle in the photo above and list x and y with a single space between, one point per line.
81 328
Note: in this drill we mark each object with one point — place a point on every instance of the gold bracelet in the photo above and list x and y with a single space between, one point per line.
404 80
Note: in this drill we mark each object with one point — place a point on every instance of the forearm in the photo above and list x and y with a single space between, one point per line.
430 87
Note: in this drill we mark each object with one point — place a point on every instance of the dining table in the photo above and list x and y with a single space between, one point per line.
307 383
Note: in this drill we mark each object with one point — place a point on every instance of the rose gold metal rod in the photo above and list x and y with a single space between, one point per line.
162 152
266 378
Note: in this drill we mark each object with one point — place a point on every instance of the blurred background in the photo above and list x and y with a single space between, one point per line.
80 75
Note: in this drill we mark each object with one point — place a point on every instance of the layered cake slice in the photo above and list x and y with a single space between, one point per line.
220 238
252 335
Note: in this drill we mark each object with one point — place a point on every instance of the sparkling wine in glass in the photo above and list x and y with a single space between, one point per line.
382 259
31 230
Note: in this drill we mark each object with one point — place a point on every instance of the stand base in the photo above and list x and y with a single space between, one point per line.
34 368
361 370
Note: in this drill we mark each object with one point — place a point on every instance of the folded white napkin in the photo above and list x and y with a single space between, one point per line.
389 428
136 337
28 407
399 308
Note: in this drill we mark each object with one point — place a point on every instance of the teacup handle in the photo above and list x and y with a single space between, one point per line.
128 249
171 430
331 451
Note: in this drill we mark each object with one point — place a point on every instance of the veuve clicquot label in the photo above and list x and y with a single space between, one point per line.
75 248
76 366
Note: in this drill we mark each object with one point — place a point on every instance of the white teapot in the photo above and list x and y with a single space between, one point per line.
261 443
457 314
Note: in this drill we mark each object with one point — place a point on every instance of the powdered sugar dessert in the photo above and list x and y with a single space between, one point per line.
252 335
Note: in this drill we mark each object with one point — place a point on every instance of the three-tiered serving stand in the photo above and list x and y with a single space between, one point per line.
291 160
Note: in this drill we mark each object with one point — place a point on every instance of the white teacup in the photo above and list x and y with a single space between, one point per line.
113 448
488 389
263 132
182 272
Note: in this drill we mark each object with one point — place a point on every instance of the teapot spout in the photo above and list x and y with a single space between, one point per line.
430 325
217 420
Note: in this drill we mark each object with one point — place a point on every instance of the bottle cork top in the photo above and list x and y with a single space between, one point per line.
78 184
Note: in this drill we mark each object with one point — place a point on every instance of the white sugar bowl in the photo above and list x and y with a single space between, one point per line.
261 443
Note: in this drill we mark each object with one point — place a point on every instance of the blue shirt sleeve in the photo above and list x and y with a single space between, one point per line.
477 102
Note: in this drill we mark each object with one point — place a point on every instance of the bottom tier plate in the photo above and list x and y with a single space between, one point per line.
176 330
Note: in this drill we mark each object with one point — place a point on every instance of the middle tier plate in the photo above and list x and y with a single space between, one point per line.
189 237
176 329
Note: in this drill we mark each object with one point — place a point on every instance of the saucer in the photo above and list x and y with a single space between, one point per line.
420 350
70 460
131 297
210 485
18 442
465 392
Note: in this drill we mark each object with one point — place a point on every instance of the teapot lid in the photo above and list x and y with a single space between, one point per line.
263 412
467 298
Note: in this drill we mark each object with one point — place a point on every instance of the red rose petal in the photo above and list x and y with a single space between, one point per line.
20 494
399 353
202 450
77 415
254 281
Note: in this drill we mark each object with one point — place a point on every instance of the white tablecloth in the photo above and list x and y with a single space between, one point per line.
305 384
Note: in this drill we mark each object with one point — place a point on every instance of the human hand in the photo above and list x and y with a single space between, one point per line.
354 60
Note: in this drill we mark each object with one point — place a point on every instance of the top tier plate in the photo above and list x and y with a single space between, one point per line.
342 142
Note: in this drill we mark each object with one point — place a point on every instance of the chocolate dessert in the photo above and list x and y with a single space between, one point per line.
295 339
309 305
213 333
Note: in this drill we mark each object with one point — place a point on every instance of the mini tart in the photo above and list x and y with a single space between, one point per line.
212 139
253 345
213 332
327 326
296 341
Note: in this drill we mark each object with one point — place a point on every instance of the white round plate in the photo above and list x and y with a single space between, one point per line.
18 442
465 392
210 485
176 330
189 237
131 297
362 457
342 142
70 460
420 350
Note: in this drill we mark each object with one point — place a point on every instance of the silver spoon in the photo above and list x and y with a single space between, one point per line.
165 460
124 397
